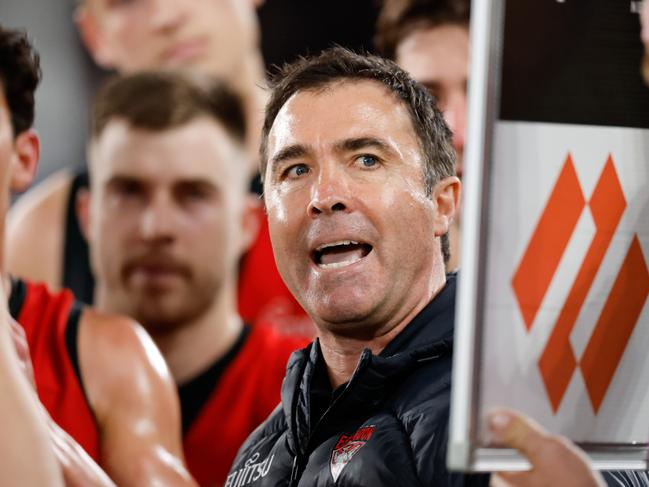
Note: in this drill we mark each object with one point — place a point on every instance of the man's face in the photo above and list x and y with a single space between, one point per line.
132 35
353 231
438 57
166 214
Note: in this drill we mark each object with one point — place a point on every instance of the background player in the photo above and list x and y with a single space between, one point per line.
168 218
216 37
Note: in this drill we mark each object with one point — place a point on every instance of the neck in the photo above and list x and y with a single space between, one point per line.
342 353
191 347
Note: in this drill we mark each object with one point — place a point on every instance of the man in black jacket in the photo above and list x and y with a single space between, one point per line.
359 187
358 232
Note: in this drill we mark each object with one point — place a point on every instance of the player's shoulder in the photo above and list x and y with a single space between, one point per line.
113 328
120 363
119 341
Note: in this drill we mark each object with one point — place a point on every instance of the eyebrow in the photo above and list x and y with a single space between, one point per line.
349 145
201 183
291 152
117 179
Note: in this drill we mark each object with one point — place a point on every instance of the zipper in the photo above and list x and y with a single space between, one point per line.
296 471
299 463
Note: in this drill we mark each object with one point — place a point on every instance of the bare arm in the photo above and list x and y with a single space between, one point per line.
78 468
26 456
134 399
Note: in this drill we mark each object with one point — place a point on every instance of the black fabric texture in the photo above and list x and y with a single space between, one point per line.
401 397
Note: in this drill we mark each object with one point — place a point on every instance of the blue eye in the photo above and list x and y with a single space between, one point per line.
368 161
297 171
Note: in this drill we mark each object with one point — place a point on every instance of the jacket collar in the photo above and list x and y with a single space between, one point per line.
428 336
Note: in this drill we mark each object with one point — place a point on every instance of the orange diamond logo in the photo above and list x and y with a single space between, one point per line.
624 304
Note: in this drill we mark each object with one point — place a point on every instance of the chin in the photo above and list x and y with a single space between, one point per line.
342 316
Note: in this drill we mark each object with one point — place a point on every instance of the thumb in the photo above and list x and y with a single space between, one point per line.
514 430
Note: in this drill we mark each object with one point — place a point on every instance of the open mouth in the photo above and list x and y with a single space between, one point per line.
340 254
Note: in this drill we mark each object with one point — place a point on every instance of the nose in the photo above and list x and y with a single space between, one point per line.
167 15
330 193
156 221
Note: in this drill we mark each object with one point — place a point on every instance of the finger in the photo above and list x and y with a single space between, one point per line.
497 480
514 430
516 479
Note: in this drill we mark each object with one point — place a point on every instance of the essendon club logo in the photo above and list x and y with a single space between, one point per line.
622 306
346 447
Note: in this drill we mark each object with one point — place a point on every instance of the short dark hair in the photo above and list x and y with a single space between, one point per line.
399 18
20 74
338 65
161 100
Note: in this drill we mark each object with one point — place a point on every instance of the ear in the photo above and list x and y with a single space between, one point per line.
251 220
91 35
27 149
82 208
446 196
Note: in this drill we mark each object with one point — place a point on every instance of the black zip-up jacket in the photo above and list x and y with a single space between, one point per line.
388 426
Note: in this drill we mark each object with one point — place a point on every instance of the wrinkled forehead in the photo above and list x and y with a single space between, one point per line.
338 110
348 117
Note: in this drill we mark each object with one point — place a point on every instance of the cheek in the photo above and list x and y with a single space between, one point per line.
129 41
207 232
111 234
110 224
107 248
410 213
275 208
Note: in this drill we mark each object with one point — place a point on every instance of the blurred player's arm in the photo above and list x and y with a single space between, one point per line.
35 231
26 456
78 468
135 402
